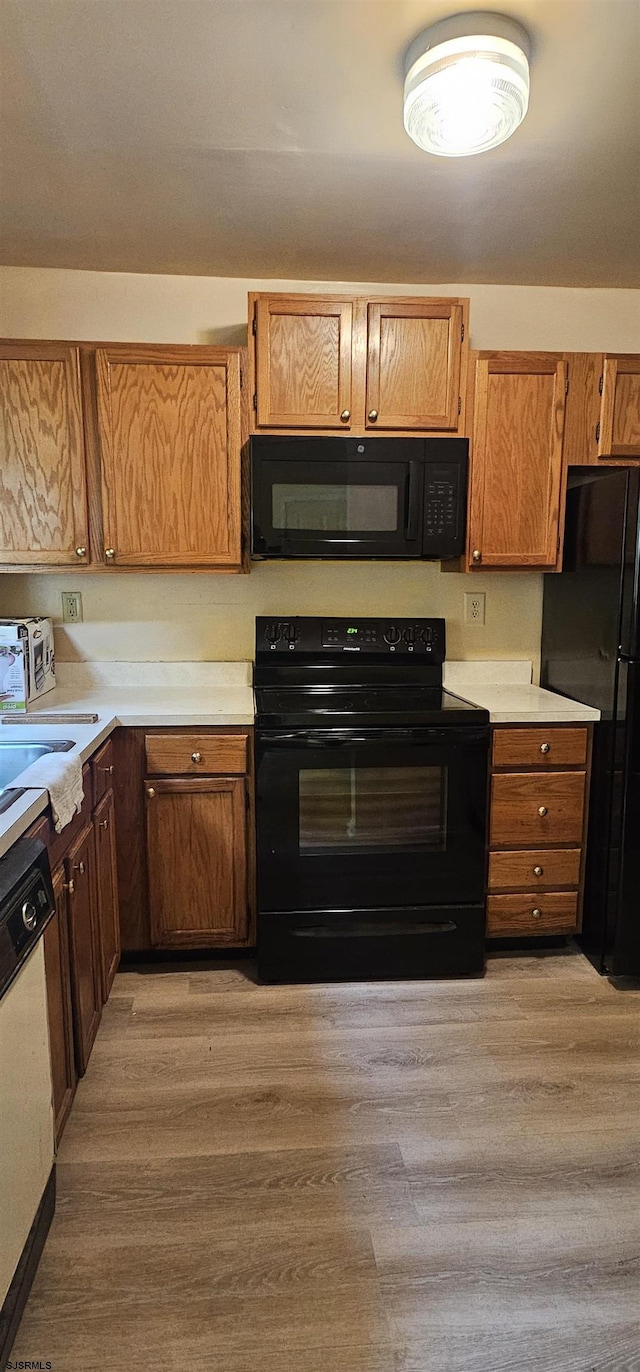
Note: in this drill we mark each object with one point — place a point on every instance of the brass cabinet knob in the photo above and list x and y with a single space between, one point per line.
544 747
150 792
81 552
537 871
70 886
542 810
108 770
345 416
109 554
476 555
372 416
536 914
104 824
196 757
80 867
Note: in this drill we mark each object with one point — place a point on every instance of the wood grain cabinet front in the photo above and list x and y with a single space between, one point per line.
60 1014
169 427
516 501
43 485
108 918
84 946
603 409
197 861
537 829
328 363
196 754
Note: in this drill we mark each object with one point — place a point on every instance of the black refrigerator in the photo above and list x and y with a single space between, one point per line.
591 653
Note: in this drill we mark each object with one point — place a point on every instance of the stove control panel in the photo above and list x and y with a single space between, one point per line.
322 637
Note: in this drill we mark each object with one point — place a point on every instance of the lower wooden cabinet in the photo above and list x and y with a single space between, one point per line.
537 830
84 956
196 853
107 892
58 978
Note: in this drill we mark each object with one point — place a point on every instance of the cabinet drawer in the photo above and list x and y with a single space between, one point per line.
530 809
533 870
553 912
196 754
102 771
548 747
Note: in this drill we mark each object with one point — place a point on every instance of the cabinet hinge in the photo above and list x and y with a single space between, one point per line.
462 335
598 432
254 326
247 799
600 385
241 380
459 404
566 386
255 400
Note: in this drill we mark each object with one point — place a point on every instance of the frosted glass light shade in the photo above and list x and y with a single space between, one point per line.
466 94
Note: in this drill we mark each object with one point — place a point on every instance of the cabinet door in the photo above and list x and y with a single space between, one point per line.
619 426
196 854
56 961
516 473
107 892
303 347
43 493
170 441
83 945
414 351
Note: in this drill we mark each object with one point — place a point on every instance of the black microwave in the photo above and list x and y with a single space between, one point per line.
358 497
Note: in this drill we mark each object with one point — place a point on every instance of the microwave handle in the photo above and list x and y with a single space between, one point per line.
412 502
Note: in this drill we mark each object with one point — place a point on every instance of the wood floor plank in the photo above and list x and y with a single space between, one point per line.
395 1177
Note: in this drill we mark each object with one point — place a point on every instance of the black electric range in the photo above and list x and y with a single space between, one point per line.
371 787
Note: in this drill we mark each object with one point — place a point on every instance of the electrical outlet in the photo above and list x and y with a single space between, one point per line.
474 607
72 607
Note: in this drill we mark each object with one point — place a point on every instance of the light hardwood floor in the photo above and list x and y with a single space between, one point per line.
409 1177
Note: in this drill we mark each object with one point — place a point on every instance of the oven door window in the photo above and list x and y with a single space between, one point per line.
372 810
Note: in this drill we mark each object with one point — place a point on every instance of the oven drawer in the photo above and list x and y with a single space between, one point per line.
443 941
533 913
535 869
532 809
548 747
196 754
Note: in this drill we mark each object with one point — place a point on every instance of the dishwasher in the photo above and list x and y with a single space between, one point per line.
27 1172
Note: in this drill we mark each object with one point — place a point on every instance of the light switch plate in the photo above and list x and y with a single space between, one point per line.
72 607
474 607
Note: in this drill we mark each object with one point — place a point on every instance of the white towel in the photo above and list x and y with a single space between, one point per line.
61 775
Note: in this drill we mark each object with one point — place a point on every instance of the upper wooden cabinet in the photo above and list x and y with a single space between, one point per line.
303 361
414 350
516 492
170 440
43 495
322 363
603 408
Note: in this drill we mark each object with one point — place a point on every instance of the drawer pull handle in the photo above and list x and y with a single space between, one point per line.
544 747
542 811
536 914
196 757
150 792
537 871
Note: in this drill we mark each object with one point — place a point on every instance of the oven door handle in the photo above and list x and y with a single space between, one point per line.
345 738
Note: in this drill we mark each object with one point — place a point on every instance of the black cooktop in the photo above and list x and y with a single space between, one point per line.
281 707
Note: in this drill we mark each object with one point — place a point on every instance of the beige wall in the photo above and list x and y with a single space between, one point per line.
175 617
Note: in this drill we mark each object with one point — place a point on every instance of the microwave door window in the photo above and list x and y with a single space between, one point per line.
372 810
333 508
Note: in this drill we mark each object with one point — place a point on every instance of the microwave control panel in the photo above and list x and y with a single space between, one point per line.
423 637
441 506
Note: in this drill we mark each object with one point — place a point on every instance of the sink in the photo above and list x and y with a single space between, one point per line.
15 756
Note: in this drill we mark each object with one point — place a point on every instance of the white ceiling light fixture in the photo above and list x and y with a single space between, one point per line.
467 84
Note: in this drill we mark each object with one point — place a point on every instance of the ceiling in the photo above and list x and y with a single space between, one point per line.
264 138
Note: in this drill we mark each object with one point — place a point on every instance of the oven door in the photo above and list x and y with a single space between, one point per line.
337 507
372 818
